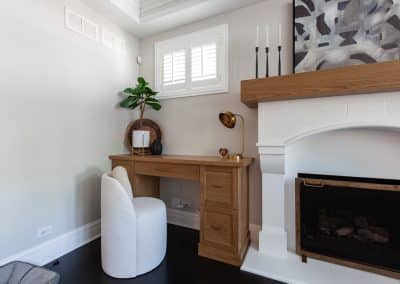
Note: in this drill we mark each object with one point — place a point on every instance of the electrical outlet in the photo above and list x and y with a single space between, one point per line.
186 204
44 231
180 204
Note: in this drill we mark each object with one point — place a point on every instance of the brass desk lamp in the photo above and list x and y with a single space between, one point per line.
229 120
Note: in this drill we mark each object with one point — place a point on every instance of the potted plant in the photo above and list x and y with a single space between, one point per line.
142 96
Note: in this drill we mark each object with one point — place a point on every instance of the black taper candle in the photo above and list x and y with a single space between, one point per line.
256 62
279 61
267 62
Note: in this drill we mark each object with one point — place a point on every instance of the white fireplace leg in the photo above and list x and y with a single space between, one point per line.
273 237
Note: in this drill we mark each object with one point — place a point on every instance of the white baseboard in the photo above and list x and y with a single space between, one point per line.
59 246
183 218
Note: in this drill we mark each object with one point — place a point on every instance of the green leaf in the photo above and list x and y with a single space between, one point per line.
148 90
155 106
142 93
129 102
130 91
142 82
151 100
152 93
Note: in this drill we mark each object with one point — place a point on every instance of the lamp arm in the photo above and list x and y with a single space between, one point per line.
243 131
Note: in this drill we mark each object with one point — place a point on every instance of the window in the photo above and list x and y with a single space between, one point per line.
194 64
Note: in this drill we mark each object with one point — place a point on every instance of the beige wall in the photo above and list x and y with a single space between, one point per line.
58 119
190 125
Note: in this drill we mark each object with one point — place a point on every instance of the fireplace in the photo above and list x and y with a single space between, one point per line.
281 125
349 221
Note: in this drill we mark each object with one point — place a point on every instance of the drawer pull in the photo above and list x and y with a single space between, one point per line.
216 228
217 186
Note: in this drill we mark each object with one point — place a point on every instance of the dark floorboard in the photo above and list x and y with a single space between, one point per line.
181 265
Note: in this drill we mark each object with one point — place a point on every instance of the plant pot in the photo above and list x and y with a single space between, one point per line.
141 139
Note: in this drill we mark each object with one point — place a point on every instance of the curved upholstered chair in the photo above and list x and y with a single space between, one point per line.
133 230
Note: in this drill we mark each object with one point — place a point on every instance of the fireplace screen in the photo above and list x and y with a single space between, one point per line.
351 219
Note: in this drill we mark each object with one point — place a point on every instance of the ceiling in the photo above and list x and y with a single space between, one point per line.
155 16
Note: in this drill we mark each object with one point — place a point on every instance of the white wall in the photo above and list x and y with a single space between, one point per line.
58 119
190 125
351 152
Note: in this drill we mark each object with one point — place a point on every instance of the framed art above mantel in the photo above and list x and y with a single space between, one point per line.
341 47
338 33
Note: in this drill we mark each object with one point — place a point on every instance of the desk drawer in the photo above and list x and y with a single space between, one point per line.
218 229
189 172
218 187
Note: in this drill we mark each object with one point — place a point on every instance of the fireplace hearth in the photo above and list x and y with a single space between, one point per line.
349 221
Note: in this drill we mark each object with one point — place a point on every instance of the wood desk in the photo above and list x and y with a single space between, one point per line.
224 184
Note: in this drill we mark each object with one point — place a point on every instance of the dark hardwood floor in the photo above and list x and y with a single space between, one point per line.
181 265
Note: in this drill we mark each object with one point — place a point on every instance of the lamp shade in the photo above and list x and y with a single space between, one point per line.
141 138
228 119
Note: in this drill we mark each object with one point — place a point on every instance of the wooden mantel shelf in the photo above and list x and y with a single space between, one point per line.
359 79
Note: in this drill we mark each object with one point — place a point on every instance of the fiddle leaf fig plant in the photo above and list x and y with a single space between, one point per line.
141 96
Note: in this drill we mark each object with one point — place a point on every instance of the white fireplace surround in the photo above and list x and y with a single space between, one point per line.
281 124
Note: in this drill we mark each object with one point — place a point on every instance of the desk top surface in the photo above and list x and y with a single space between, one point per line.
185 160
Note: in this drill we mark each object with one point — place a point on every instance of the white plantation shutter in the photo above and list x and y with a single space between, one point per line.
174 68
193 64
204 62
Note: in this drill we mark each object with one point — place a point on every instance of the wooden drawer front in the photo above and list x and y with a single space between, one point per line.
218 189
168 170
218 228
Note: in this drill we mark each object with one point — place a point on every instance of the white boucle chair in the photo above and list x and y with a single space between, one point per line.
133 230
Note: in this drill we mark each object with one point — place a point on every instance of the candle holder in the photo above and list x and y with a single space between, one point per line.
257 62
279 60
267 62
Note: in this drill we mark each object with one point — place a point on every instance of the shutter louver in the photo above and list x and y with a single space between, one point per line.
204 62
174 68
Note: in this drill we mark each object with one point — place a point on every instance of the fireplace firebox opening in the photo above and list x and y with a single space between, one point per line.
349 221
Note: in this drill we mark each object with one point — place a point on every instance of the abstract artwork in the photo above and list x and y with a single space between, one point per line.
336 33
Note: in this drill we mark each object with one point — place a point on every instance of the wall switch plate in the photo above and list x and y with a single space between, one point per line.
44 231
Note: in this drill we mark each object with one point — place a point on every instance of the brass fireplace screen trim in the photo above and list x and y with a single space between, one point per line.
322 183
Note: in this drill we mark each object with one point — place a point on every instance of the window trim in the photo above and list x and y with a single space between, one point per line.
194 88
